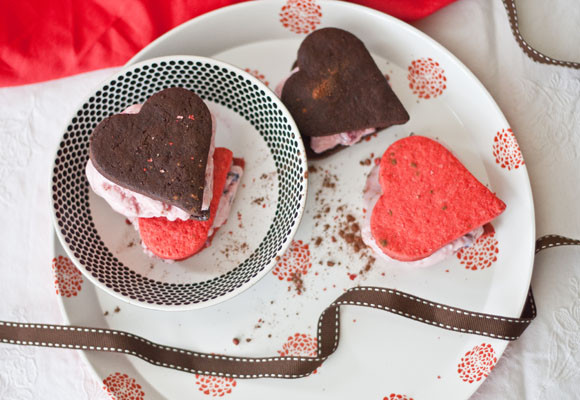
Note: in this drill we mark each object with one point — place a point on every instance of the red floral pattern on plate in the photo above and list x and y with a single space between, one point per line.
300 16
483 253
257 74
477 363
122 387
426 78
296 261
506 150
216 386
68 280
394 396
302 345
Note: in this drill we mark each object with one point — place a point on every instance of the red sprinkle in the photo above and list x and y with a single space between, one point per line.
127 221
236 341
191 117
171 143
149 160
145 169
352 276
264 205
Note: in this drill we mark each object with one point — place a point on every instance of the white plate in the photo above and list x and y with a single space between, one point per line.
379 354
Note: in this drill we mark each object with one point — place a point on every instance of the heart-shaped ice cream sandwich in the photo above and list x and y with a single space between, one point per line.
338 88
161 152
429 199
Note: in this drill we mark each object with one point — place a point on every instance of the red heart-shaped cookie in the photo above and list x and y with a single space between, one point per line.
428 200
161 152
177 240
338 87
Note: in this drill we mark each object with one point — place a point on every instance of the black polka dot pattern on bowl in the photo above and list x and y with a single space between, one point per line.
212 82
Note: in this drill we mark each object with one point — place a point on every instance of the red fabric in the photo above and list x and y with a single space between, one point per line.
407 10
41 40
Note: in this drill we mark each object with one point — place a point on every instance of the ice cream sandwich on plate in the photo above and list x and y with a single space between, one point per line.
336 93
422 204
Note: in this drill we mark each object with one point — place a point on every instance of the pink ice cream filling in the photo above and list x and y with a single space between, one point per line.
224 206
371 194
320 144
135 205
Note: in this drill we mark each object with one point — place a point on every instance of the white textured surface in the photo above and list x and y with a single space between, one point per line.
542 104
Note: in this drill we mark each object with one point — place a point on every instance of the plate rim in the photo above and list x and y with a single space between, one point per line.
501 345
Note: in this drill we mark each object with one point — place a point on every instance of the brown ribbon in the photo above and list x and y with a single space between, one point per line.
535 55
394 301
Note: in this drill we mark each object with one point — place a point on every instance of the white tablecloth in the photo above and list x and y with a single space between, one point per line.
541 102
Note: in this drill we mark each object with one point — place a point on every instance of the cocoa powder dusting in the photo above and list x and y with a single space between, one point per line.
298 282
258 201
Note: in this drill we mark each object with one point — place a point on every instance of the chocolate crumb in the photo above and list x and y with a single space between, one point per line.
318 241
258 201
117 309
327 182
248 340
297 281
106 313
330 263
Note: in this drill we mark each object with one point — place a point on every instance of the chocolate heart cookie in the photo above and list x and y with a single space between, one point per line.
161 152
339 88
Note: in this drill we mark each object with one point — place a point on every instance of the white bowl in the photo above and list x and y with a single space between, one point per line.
253 123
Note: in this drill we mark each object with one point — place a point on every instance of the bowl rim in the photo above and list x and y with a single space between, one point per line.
268 266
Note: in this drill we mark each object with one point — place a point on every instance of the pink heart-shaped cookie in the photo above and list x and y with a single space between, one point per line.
428 200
